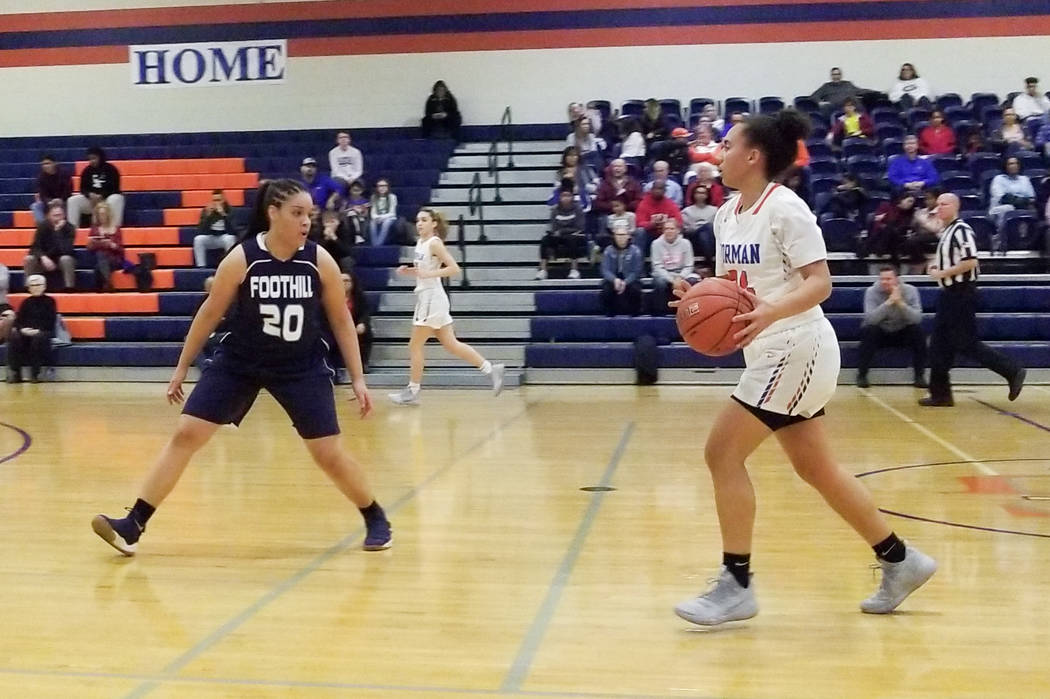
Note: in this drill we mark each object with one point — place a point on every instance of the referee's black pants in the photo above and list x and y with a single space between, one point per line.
955 331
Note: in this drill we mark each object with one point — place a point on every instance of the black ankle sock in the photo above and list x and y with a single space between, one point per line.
141 512
739 564
373 512
890 549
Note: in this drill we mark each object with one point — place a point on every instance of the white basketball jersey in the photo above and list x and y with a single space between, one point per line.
426 260
762 248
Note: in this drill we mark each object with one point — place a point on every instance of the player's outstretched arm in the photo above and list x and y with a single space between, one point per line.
334 300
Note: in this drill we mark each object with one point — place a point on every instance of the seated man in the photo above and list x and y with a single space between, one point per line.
99 182
51 183
662 174
323 189
215 230
651 214
892 313
7 312
52 247
909 171
29 341
345 162
621 275
672 259
1031 103
617 184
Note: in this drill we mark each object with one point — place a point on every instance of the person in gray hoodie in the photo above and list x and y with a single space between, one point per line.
892 313
672 259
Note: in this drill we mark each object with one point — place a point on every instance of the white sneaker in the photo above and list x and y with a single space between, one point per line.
725 601
541 274
900 580
498 370
574 274
406 396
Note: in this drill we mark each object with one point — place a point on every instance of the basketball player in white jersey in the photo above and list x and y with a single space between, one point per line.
432 318
768 242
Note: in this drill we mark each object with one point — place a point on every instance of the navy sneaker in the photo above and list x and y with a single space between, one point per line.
378 536
122 534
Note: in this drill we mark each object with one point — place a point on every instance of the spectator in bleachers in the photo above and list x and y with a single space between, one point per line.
974 141
734 119
938 138
617 184
382 212
632 148
441 117
215 230
51 184
107 243
344 161
355 211
655 208
672 258
333 234
662 173
53 247
892 225
1011 134
836 91
1031 103
579 174
795 179
910 90
99 182
357 305
705 177
698 214
676 152
323 189
621 276
847 200
654 125
926 229
709 114
703 148
619 213
7 312
565 237
892 317
852 124
587 144
1042 137
909 171
1010 191
29 339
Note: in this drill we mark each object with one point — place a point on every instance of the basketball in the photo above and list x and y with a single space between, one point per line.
705 316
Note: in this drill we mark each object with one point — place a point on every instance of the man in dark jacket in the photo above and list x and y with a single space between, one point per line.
52 248
100 181
30 340
51 184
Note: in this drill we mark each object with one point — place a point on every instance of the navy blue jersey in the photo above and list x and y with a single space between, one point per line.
279 314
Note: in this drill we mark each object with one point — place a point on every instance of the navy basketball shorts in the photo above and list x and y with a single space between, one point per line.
223 396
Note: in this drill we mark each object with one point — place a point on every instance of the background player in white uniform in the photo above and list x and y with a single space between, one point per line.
769 243
431 318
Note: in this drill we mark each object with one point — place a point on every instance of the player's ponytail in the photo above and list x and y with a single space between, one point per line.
274 192
440 222
777 136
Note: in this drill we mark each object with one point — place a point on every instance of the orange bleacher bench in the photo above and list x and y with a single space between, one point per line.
99 303
23 238
187 166
161 183
87 328
166 257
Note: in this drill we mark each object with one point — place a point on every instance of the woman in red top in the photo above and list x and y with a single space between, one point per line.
937 138
108 245
705 176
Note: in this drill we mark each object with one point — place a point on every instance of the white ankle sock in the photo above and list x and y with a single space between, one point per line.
414 387
486 368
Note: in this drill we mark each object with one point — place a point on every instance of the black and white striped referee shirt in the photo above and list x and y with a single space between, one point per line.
957 244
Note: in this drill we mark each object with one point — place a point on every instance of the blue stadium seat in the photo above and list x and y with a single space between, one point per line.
632 108
953 115
954 180
806 104
671 107
604 108
819 148
980 100
886 115
916 115
984 162
823 184
983 229
1030 160
865 165
823 166
840 234
770 105
892 147
858 146
1022 231
697 104
884 131
736 105
948 100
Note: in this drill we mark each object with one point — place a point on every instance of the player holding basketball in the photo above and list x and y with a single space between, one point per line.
283 284
769 243
432 318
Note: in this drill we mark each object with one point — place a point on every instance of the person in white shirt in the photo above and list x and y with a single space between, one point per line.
910 90
769 244
633 147
1030 103
346 162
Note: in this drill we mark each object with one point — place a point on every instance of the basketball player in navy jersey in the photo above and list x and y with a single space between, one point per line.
284 285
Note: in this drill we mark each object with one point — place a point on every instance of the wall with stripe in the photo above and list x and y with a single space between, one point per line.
371 63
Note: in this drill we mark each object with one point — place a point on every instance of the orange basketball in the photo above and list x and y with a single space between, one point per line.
705 316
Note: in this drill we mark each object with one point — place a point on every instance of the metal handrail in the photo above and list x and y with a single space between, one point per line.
476 202
506 133
463 282
494 168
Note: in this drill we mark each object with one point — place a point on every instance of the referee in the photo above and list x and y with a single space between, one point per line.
955 327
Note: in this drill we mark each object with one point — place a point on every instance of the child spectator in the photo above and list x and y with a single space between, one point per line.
565 238
356 211
214 232
619 214
29 341
51 184
441 117
108 245
578 174
345 162
52 247
382 212
99 182
937 138
621 276
332 234
672 259
852 124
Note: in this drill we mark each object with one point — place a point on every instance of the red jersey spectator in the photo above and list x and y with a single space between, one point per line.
937 138
654 209
617 184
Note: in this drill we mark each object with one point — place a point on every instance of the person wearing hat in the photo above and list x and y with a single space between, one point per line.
1030 103
323 190
677 153
30 336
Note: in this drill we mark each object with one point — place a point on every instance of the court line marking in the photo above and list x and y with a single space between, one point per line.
981 466
27 441
530 644
236 621
1016 416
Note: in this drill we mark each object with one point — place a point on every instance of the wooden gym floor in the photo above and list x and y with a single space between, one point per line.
506 578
